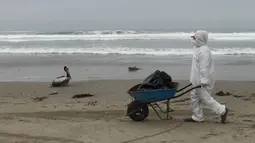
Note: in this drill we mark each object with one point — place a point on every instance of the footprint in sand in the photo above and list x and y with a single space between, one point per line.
248 120
242 133
212 134
174 141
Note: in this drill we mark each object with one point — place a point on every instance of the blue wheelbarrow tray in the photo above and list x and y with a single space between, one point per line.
148 96
138 109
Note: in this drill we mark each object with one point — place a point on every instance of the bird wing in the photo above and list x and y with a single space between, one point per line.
61 79
61 76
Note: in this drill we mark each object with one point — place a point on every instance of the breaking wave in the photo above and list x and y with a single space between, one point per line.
123 51
118 35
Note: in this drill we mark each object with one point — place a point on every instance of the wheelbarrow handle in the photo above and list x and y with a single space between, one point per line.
184 87
199 86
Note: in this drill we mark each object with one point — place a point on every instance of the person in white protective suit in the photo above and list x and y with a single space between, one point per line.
202 73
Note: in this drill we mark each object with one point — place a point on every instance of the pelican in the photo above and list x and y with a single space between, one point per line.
62 80
133 68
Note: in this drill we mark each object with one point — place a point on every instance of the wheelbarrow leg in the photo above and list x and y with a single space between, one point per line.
156 112
168 108
167 111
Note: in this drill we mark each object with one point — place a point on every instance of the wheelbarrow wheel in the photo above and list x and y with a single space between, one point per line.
138 111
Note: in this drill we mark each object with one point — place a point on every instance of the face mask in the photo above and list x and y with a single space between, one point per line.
194 43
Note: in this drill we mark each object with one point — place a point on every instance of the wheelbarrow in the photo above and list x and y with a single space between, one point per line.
138 109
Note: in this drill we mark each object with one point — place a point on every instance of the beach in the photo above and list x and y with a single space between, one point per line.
107 54
32 111
59 118
110 46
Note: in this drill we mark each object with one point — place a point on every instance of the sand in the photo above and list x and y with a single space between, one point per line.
59 118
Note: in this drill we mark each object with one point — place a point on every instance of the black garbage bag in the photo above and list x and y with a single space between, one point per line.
157 80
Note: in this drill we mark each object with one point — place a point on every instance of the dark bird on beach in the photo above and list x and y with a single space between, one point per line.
133 68
62 80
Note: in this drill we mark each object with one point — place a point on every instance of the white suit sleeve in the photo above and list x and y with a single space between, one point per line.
204 61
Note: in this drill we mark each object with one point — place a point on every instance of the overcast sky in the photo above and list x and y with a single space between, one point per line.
92 14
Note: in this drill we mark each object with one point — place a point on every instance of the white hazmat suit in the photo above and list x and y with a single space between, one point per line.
202 73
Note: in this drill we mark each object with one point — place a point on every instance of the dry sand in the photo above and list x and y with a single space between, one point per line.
100 119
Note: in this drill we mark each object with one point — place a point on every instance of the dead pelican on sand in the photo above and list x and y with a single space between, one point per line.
134 68
62 80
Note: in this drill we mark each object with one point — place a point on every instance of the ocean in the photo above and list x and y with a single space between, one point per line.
106 54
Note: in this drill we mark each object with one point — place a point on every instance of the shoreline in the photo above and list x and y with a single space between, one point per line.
138 80
104 67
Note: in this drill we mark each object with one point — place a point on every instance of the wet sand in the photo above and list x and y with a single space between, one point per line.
44 68
61 119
